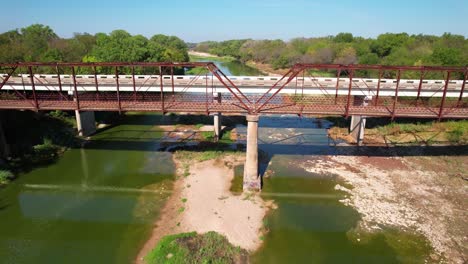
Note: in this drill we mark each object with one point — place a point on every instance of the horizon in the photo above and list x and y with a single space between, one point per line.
260 20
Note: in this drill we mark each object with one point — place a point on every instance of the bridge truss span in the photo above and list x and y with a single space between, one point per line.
315 89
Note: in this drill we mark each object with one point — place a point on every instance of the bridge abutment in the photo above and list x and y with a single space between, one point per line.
358 122
85 122
252 181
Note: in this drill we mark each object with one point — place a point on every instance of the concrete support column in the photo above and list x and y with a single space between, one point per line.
217 125
252 181
85 122
4 148
358 122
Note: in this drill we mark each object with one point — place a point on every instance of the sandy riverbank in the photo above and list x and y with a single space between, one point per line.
202 202
415 194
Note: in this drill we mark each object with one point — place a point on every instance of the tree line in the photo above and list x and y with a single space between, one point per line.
344 48
40 43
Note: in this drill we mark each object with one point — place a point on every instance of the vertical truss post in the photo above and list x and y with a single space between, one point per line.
421 78
396 94
96 82
302 85
442 103
134 83
118 88
465 76
31 76
337 85
348 101
8 76
378 88
172 83
58 78
206 93
75 90
161 86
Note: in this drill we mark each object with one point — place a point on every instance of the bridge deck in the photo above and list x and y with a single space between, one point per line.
297 92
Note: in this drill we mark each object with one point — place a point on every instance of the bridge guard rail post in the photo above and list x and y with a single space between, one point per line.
252 180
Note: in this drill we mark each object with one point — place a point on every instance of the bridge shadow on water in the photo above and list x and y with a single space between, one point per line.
286 149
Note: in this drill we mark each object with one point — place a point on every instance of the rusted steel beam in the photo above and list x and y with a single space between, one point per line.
421 78
396 94
276 84
172 84
442 102
377 67
75 95
294 72
162 87
244 106
350 86
96 82
59 78
107 64
8 76
206 94
134 83
118 88
378 88
220 73
31 76
460 98
337 85
205 64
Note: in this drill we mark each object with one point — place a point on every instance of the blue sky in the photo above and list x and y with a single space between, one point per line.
200 20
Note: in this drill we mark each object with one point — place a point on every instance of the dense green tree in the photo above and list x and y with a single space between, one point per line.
343 37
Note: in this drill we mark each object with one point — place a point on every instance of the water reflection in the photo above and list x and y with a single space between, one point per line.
233 68
95 205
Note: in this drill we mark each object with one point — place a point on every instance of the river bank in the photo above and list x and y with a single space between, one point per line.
418 194
202 202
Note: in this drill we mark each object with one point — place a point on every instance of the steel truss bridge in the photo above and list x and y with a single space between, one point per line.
395 91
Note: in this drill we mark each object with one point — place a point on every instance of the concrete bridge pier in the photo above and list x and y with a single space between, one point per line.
85 122
217 125
358 122
252 181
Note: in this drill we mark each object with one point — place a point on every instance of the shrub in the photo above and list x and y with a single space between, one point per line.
5 176
195 248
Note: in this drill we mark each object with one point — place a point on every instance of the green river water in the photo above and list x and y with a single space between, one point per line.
98 204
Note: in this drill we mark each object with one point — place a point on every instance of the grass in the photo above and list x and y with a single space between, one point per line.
455 132
196 248
187 156
207 135
404 131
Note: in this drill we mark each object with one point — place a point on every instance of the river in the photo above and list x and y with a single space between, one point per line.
232 67
98 204
95 205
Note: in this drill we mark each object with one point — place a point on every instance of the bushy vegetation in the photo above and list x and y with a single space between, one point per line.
344 48
5 176
196 248
40 43
36 138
